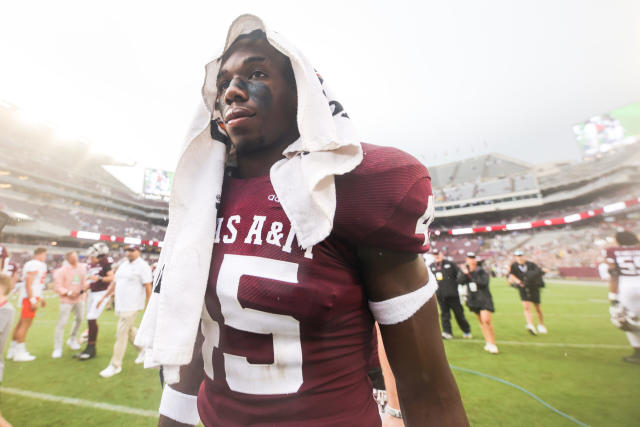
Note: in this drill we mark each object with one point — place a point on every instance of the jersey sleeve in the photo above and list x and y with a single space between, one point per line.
106 267
30 267
386 202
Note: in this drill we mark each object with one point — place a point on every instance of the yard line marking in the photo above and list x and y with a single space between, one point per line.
105 322
595 316
598 284
553 344
80 402
522 389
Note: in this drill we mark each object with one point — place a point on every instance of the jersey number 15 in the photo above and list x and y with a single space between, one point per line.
284 375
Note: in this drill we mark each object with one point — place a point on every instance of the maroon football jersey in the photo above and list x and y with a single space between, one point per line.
100 269
10 268
288 332
627 262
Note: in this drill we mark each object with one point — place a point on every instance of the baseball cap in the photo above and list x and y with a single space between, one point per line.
471 254
132 248
518 252
435 251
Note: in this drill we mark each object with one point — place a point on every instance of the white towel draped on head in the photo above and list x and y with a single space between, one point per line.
303 181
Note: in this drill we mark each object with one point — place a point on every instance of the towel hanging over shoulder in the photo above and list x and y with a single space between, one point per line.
303 181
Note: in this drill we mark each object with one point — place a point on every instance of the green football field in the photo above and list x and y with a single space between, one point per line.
576 369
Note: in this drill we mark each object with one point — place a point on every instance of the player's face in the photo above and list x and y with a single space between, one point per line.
257 103
472 263
439 257
520 259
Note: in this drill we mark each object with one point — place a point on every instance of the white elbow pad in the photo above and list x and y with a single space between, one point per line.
179 406
400 308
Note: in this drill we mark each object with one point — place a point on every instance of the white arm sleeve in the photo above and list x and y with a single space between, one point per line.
400 308
179 406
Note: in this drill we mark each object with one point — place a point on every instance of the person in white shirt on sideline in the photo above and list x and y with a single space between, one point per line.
132 287
69 281
34 273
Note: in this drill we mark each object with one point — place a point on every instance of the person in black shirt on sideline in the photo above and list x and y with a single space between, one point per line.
476 281
446 273
526 276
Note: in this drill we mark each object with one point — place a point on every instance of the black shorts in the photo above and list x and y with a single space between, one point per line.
481 300
530 294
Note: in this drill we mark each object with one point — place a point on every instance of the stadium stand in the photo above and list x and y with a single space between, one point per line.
59 192
51 188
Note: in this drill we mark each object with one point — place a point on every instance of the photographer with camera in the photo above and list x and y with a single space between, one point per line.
526 276
475 282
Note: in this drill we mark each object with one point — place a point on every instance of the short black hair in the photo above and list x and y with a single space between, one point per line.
260 35
626 238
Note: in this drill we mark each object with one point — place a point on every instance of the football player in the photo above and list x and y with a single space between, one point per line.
526 276
8 267
34 274
99 275
446 273
287 332
479 299
624 288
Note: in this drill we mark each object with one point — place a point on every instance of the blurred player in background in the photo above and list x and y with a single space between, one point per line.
446 273
100 275
6 317
527 277
624 288
34 273
69 282
6 320
7 266
479 299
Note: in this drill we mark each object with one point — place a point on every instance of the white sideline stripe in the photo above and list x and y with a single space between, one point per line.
80 402
552 344
106 322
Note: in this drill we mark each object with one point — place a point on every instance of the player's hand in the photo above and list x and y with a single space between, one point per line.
93 278
99 302
42 303
391 421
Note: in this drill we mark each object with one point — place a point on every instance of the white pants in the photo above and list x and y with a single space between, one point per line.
63 318
629 297
94 312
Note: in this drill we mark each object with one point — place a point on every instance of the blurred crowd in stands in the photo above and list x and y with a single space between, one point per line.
555 248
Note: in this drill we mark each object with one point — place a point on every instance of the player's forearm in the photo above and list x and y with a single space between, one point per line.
28 288
110 290
426 388
432 402
168 422
179 402
387 374
613 284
